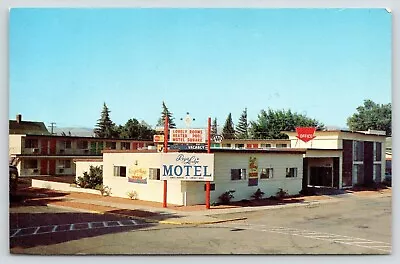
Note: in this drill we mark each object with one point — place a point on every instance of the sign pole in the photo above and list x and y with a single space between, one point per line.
208 151
166 126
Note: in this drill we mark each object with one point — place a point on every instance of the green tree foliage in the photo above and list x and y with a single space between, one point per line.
270 123
372 116
134 129
228 132
105 128
165 112
242 126
214 126
92 179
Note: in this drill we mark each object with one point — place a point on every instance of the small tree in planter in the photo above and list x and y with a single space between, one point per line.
132 195
226 197
92 179
257 195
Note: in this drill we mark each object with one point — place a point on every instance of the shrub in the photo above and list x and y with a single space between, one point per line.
92 179
257 195
281 193
226 197
104 190
132 195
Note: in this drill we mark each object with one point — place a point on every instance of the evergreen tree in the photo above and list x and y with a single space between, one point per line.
165 112
242 127
214 130
105 128
228 132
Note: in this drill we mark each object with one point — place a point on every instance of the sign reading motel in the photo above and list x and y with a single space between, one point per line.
187 135
187 166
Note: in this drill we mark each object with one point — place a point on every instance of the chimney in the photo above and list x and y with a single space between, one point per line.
19 118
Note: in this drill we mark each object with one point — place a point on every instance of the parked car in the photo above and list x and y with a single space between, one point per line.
13 180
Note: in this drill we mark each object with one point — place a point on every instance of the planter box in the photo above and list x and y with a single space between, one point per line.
60 186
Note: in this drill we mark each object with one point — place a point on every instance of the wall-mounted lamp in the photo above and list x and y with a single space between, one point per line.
136 162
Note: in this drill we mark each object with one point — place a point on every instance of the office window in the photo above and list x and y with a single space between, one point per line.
358 150
125 145
111 145
265 145
238 174
291 172
267 173
30 164
281 145
31 143
154 174
239 145
82 144
120 171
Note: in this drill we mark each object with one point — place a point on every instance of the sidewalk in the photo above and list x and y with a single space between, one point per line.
173 214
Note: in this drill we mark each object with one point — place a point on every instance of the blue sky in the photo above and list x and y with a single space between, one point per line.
64 63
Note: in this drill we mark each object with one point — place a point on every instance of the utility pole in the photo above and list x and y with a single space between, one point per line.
52 126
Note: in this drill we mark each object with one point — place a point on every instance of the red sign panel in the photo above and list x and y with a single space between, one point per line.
305 133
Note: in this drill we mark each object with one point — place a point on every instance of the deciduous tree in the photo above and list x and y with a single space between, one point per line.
372 116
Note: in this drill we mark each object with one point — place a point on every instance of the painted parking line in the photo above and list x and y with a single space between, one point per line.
38 230
347 240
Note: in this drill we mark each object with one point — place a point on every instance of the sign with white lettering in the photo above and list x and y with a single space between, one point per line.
187 166
188 147
305 134
187 135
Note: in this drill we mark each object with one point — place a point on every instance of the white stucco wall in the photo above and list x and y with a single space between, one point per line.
189 193
14 144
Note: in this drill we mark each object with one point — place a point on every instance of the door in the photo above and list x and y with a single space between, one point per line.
43 167
52 167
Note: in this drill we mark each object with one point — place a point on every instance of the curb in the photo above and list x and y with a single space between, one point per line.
201 223
147 220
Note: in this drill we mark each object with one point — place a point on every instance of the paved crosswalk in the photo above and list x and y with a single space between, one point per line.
29 231
341 239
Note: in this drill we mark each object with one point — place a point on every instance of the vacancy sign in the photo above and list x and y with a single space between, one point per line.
187 166
305 134
187 135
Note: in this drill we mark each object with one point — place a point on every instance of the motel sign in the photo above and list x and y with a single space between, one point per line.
187 166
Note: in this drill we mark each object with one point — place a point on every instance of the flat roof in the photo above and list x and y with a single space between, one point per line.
339 131
91 138
265 150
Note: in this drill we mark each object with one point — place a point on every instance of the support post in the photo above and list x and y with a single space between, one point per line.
208 151
166 127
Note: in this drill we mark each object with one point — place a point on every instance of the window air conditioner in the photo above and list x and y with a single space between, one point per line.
61 170
35 150
62 150
34 170
86 150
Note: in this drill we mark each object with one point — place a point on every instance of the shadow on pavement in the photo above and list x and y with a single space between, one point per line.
45 236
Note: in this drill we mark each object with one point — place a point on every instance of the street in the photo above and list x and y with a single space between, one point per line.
350 225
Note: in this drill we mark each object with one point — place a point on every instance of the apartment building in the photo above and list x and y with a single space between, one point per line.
36 152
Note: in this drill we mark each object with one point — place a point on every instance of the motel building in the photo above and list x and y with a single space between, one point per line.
329 159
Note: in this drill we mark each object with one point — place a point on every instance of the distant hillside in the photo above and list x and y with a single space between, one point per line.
75 131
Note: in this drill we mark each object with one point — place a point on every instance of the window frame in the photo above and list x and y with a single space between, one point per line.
269 173
289 170
31 143
242 174
157 174
117 171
